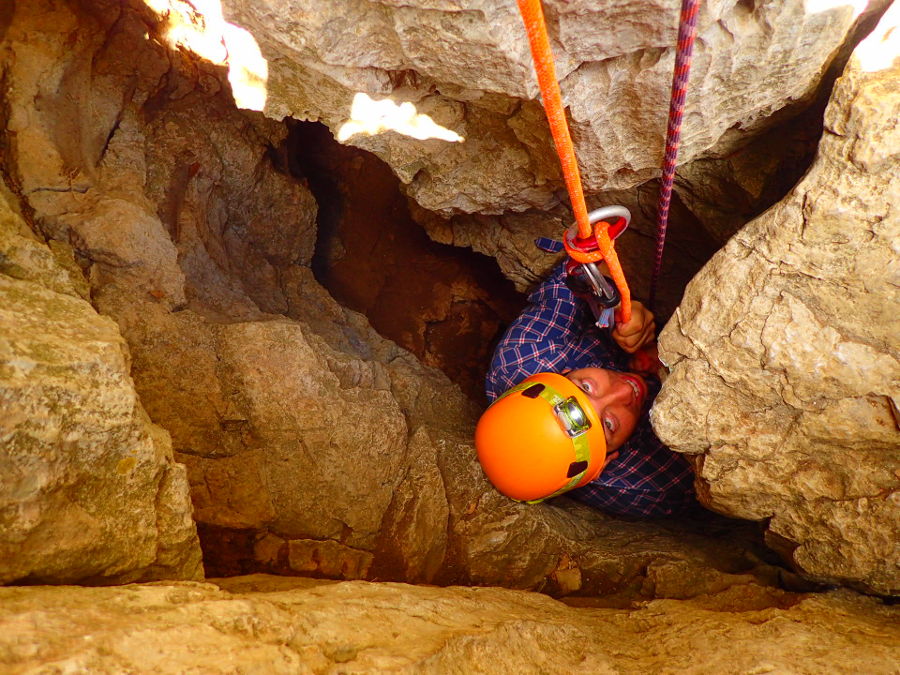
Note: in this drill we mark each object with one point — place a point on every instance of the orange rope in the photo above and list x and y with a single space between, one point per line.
533 16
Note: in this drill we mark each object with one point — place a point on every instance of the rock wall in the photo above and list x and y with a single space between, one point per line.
89 490
785 356
468 67
312 445
445 304
265 625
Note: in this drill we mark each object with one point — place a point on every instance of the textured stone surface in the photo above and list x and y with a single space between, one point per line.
89 489
510 239
312 445
785 350
468 67
265 625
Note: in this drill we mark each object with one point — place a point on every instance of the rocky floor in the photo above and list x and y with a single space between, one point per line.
264 624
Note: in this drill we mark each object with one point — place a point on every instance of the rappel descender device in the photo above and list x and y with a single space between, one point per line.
585 279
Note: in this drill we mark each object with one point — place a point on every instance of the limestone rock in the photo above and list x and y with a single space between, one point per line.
467 66
89 488
442 303
23 256
312 445
264 625
785 356
510 239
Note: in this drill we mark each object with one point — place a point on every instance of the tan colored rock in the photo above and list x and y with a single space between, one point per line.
442 303
785 357
185 212
269 625
308 439
510 239
468 67
26 258
328 558
89 489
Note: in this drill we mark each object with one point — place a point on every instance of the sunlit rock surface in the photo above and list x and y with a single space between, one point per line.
265 625
89 491
785 350
468 67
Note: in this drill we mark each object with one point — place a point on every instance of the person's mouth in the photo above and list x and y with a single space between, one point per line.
638 388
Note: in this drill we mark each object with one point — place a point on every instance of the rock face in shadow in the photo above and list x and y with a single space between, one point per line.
89 490
265 625
469 69
785 356
510 239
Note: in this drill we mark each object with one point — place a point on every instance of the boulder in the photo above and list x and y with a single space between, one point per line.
90 490
468 68
784 354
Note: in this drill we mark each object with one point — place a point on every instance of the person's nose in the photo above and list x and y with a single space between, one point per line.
618 393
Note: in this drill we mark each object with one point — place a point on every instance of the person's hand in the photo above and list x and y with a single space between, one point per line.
638 332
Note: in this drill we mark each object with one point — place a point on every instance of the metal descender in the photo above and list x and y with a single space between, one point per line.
585 279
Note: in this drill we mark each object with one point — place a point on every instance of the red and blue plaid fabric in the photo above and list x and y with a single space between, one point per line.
556 332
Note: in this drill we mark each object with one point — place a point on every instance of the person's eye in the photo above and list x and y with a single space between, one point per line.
587 386
610 423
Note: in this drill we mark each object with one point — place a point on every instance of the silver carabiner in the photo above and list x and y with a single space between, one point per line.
598 282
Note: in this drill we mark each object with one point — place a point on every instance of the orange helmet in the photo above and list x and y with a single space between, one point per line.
540 439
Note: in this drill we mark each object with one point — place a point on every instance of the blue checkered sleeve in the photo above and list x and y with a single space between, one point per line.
554 329
646 479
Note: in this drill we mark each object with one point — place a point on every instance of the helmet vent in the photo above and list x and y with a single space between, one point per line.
576 468
533 391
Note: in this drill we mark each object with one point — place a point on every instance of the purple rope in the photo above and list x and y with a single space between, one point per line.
687 31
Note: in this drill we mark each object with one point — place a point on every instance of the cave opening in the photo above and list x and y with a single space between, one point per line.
447 305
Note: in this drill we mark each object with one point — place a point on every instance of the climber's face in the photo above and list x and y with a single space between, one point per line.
618 399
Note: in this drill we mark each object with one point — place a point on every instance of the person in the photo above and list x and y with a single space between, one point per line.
556 381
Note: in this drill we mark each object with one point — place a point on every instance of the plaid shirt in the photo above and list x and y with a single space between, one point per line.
556 332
